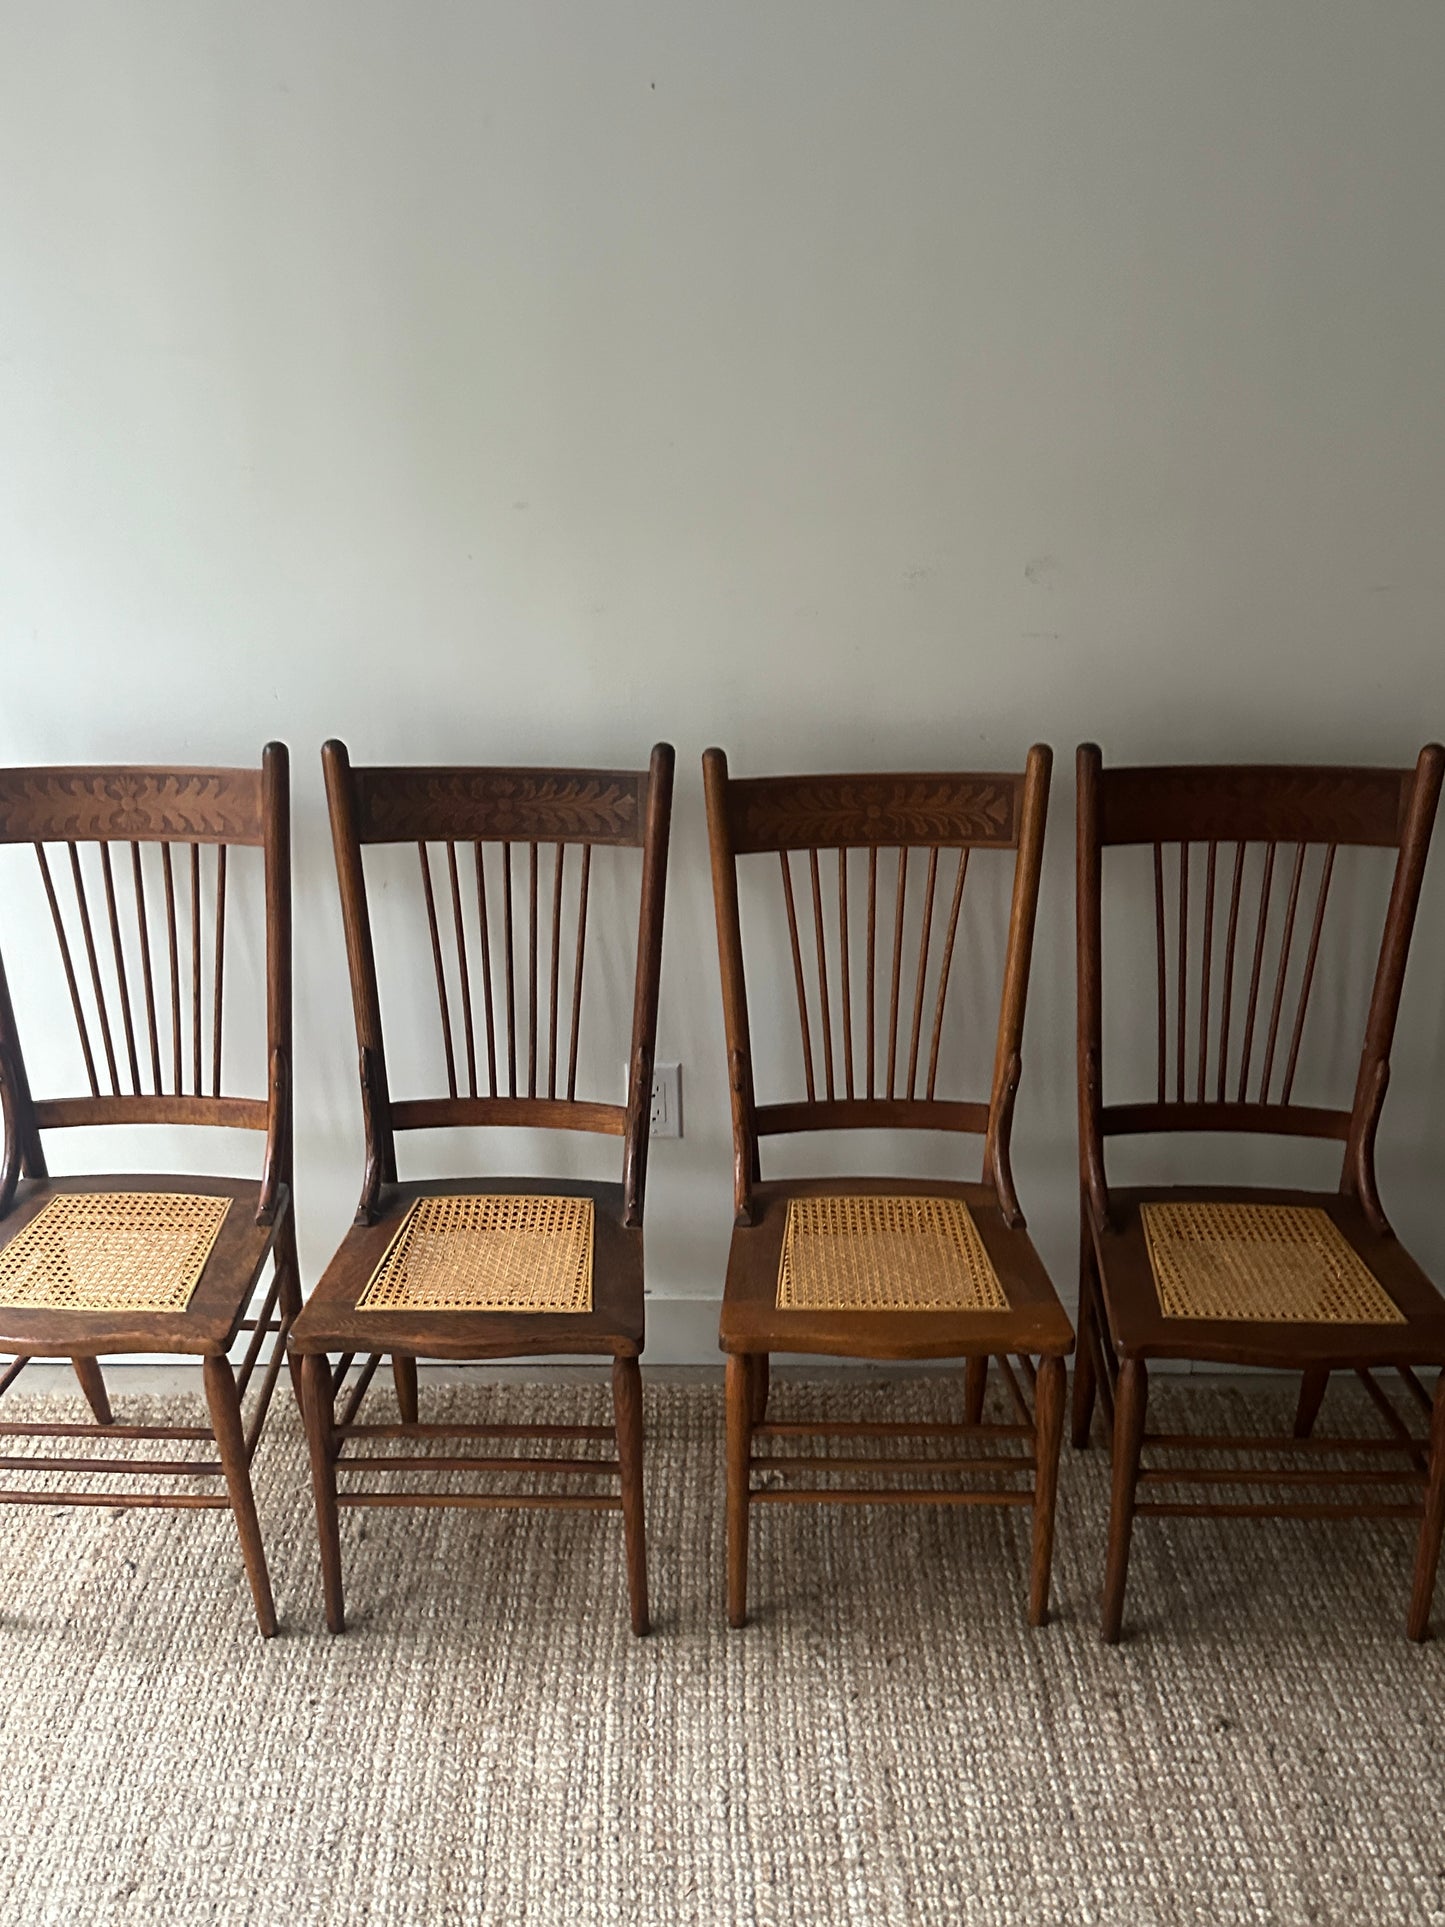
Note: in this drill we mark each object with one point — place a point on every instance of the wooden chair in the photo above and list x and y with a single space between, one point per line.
497 1267
1305 1281
98 1265
877 1268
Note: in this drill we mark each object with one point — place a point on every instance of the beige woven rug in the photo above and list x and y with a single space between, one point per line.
889 1743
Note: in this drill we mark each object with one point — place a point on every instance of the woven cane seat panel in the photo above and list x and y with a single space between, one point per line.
486 1252
1276 1262
885 1254
108 1251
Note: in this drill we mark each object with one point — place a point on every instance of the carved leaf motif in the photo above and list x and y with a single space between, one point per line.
421 805
830 811
204 806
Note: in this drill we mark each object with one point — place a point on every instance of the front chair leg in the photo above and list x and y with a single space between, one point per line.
627 1415
403 1374
225 1408
1130 1399
1313 1386
975 1387
1427 1555
739 1444
87 1370
1048 1435
316 1379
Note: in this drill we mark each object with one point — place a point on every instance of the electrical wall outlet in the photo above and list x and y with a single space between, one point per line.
667 1100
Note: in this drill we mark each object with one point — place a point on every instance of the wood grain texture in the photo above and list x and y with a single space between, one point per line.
1228 803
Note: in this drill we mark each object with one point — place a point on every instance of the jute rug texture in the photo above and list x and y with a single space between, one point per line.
887 1742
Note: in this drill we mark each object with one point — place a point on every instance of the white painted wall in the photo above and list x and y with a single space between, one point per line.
848 384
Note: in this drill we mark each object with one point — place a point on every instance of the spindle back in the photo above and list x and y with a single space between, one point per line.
501 991
144 964
860 1072
1242 860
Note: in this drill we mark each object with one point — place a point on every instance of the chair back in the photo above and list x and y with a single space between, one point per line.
134 866
1242 860
502 856
849 851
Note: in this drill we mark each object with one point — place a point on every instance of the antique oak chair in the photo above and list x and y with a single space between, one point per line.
98 1265
1306 1281
496 1267
878 1268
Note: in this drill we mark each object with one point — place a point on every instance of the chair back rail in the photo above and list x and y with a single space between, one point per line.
504 862
911 833
151 1042
1242 859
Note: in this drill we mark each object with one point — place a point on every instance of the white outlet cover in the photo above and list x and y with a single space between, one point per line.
667 1100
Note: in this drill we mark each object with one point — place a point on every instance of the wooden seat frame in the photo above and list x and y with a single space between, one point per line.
117 808
1012 1463
515 1081
1223 811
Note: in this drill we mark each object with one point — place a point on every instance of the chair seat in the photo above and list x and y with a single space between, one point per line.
362 1304
118 1270
966 1287
1284 1279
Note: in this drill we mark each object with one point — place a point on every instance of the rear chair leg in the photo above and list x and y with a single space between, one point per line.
403 1373
975 1385
1427 1556
1048 1435
225 1408
87 1370
289 1298
627 1415
1086 1366
316 1377
739 1441
1130 1399
1313 1386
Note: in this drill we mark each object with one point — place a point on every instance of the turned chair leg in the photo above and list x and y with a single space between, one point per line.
627 1416
1048 1435
1130 1399
1086 1351
403 1374
87 1370
316 1378
739 1444
1313 1386
289 1299
1427 1555
225 1408
975 1386
759 1380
